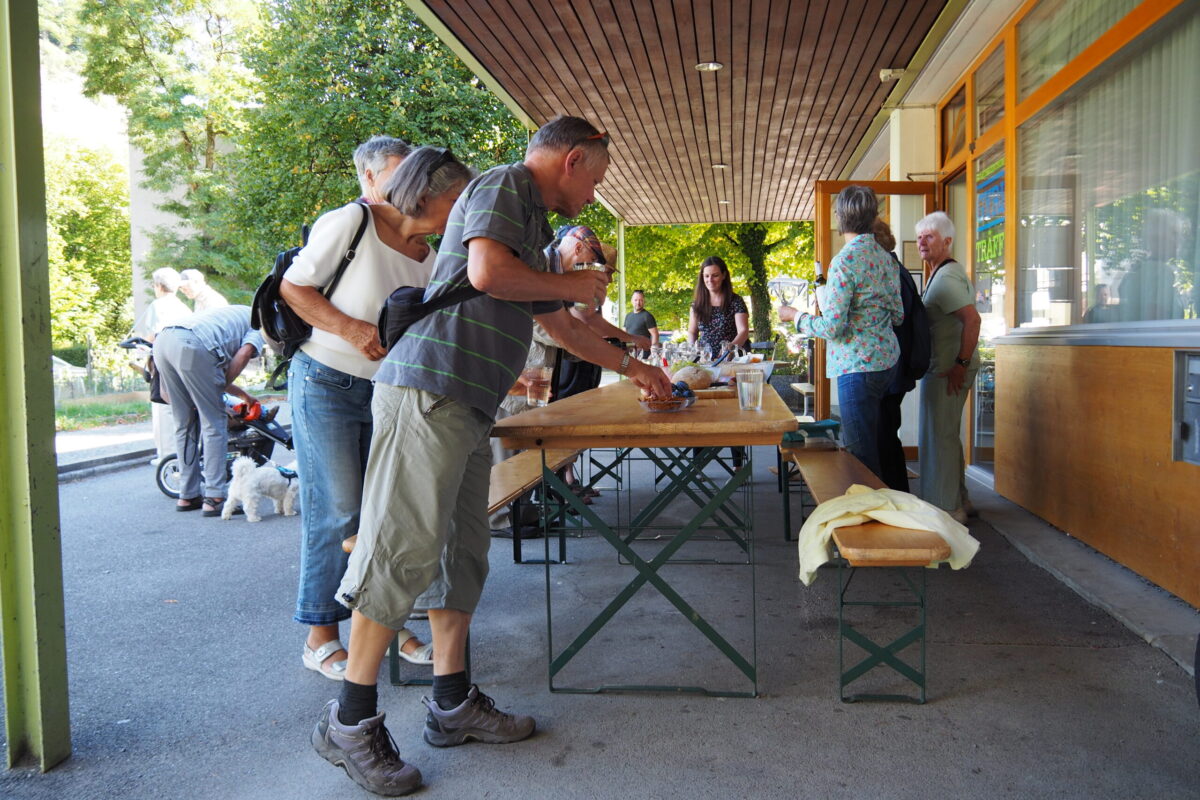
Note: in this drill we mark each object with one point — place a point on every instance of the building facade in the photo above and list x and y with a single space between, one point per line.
1064 146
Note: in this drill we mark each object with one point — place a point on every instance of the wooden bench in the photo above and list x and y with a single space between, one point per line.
510 480
514 477
829 474
826 473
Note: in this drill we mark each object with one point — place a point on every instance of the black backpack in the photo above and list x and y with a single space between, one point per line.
916 340
282 328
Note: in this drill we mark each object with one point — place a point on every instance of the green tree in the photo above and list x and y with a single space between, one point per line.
665 260
373 69
755 241
87 222
175 65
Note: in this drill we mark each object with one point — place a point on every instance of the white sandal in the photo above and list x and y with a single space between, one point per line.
315 660
422 656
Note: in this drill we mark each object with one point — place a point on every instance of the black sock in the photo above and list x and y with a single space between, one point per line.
357 702
449 691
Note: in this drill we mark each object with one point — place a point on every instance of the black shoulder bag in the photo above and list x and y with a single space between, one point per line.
282 328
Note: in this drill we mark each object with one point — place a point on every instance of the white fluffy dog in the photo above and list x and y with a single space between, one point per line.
252 483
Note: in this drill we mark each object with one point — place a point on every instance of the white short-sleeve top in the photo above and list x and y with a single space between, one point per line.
376 271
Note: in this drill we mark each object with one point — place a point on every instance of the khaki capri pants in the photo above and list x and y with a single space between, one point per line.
423 530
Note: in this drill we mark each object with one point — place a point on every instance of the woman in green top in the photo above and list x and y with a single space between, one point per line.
954 325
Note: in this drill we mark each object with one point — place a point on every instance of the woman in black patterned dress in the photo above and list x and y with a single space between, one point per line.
718 313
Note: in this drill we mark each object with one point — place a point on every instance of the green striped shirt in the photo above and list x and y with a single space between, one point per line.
474 351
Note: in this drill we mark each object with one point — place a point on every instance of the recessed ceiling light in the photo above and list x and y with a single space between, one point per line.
723 202
709 66
719 165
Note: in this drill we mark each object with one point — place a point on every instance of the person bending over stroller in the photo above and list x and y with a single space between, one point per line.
199 357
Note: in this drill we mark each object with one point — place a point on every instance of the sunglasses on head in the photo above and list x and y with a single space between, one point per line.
444 158
602 138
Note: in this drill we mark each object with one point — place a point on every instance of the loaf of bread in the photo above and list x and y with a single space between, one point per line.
694 377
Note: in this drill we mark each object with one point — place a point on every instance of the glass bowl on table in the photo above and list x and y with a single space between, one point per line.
666 405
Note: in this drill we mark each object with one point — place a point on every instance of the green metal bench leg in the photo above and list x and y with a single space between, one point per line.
881 655
785 482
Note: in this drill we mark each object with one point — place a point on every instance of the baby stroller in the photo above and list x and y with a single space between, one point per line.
255 438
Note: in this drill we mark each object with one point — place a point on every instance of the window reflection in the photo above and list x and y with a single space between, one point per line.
1110 201
954 124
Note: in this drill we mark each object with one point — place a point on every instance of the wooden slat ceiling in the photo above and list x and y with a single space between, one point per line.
798 90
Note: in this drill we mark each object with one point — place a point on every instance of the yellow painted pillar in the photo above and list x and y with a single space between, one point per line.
32 632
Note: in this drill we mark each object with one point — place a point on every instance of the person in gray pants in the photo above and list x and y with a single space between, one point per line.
199 357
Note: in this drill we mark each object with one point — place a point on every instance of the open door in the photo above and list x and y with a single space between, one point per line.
896 208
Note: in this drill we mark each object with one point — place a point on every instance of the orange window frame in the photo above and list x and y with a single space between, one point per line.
1128 28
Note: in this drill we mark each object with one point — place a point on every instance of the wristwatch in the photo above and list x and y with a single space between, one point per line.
621 370
819 280
963 362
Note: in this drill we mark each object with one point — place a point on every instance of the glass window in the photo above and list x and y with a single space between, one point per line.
989 220
954 124
989 91
1110 189
1055 31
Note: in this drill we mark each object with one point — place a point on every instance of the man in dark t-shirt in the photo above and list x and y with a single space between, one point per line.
641 322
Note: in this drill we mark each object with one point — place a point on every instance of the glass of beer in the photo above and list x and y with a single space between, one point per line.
537 385
750 389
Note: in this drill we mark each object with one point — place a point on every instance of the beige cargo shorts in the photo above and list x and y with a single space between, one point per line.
424 521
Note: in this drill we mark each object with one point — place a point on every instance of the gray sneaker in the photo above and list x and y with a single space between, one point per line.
477 718
366 751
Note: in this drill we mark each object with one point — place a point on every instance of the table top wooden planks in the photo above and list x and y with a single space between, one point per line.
612 417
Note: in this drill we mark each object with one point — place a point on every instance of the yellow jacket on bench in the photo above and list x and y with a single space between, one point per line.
860 504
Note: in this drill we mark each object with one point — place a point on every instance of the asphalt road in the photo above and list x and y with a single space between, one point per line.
186 680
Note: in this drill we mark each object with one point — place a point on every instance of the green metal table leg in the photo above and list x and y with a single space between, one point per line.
648 573
684 471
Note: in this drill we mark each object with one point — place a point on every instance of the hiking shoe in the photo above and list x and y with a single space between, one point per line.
366 751
477 718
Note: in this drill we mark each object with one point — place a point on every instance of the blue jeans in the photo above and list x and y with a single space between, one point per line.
859 397
331 426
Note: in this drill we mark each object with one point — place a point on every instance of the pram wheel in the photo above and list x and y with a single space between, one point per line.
167 476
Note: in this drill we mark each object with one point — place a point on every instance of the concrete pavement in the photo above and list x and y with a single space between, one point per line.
186 677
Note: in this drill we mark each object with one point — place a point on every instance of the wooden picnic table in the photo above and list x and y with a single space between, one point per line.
681 444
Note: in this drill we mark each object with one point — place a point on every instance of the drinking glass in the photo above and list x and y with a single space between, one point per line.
750 389
598 266
537 385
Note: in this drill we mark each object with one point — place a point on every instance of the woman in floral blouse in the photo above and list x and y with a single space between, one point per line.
859 302
718 313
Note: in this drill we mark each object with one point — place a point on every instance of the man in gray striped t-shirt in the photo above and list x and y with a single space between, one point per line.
426 485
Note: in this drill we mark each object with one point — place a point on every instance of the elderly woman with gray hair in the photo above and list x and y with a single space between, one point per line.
330 380
164 310
860 302
954 324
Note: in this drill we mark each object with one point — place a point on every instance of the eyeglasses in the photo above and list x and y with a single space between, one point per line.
564 233
602 138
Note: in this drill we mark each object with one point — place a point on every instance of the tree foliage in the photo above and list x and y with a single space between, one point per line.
374 68
665 262
87 222
248 114
176 66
